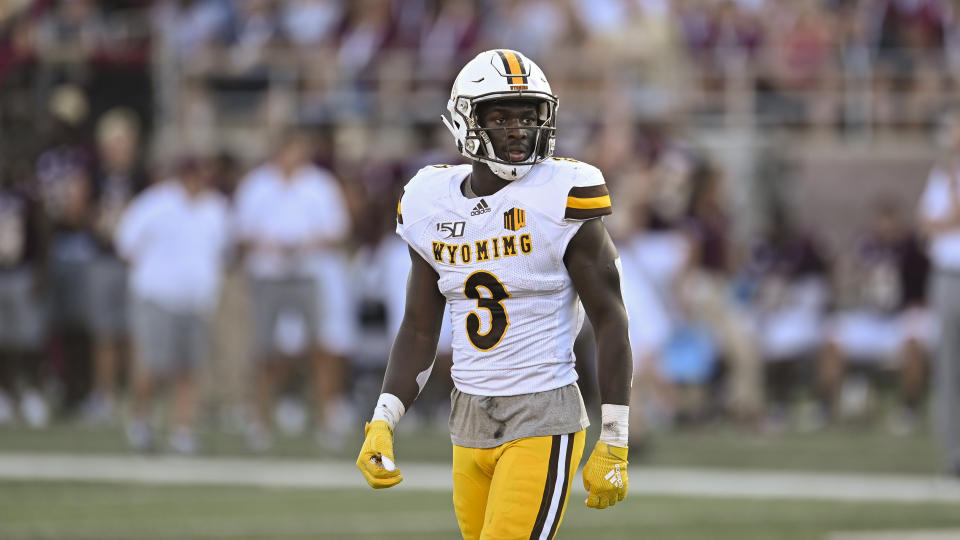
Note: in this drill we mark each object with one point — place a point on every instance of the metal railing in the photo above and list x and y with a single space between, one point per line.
853 94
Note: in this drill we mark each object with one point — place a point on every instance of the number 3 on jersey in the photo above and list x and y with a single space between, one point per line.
499 322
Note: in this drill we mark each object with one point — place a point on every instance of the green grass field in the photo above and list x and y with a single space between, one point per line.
122 512
839 448
96 511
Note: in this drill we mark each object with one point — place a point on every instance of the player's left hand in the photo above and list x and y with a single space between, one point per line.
605 475
376 456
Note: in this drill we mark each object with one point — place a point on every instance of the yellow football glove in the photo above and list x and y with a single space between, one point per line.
376 456
605 476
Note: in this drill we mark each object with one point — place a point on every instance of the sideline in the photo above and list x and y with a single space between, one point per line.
946 534
275 473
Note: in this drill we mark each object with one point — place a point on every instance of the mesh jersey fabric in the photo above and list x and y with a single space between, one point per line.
513 309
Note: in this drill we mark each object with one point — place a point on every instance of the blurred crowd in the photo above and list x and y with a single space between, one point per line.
148 242
830 64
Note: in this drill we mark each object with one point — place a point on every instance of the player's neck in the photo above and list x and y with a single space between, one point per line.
482 182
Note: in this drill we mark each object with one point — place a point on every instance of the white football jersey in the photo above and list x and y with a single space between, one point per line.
513 308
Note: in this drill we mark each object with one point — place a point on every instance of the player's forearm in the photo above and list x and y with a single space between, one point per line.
614 364
614 372
413 353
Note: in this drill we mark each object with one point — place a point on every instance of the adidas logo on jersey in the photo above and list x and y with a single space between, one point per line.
481 208
614 476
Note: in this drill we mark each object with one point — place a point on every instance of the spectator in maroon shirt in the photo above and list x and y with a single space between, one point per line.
707 296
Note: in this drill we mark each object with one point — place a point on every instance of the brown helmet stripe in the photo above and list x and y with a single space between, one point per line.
513 66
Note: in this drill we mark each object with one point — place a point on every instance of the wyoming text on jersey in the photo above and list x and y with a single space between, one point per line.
483 250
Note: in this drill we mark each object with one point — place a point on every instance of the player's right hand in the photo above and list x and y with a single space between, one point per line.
376 456
605 475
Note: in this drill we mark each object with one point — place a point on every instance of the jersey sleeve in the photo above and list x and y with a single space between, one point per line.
414 208
400 210
588 197
402 229
572 193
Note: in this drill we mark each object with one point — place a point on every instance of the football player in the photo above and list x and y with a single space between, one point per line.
514 243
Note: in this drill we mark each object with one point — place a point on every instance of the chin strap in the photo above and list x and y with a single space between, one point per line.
449 125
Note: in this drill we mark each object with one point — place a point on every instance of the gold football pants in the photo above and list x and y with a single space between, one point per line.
516 491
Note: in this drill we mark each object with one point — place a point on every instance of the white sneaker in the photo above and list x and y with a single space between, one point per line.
6 408
182 441
98 409
35 410
139 435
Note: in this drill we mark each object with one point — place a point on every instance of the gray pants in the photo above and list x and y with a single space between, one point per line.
169 342
276 301
106 284
22 315
946 379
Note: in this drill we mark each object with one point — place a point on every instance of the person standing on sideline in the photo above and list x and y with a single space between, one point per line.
23 317
940 220
174 237
515 244
118 178
288 213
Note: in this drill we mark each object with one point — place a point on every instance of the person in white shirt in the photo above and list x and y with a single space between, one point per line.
174 236
290 217
940 220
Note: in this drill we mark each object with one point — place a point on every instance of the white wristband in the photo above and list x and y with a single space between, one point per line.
389 409
614 424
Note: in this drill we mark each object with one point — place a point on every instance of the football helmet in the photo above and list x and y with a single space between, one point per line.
495 75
